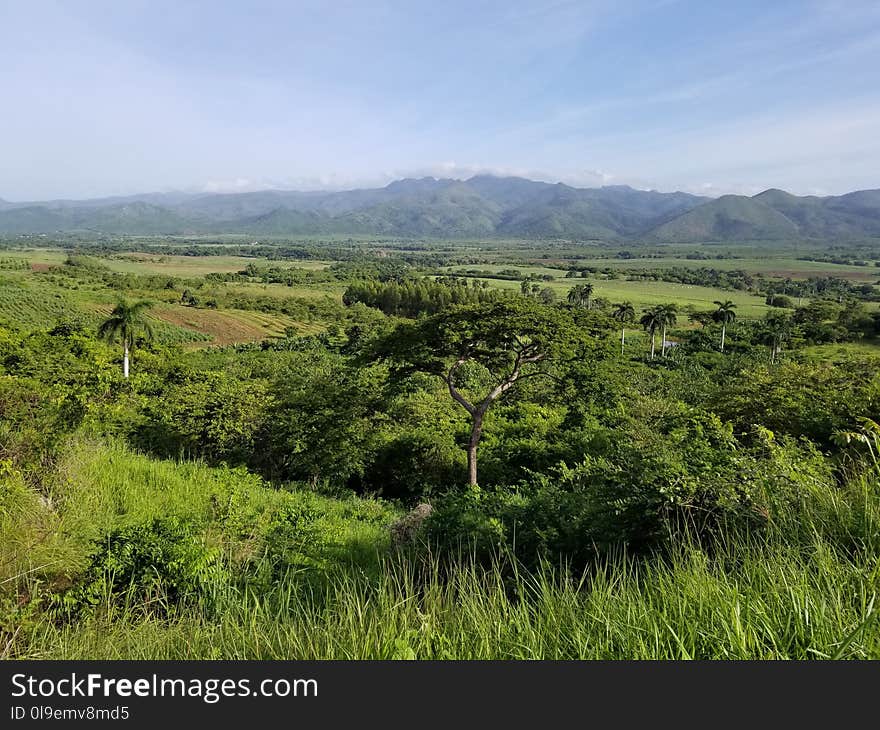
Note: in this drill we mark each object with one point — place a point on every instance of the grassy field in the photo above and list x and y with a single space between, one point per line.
649 293
839 350
38 257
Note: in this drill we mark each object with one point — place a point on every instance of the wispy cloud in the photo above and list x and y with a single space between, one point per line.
722 97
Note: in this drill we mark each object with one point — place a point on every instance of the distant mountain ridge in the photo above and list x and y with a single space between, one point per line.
482 206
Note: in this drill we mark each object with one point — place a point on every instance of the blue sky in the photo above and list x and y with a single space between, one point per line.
113 97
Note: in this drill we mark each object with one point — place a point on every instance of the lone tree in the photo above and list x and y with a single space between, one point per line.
508 340
126 322
724 316
623 313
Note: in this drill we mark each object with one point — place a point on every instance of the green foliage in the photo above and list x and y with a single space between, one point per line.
126 323
779 300
633 488
156 567
298 539
236 501
801 399
321 425
413 297
214 415
491 334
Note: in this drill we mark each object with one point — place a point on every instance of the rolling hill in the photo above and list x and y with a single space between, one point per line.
730 217
776 215
482 206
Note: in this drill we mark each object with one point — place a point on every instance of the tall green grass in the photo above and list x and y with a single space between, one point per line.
806 588
775 604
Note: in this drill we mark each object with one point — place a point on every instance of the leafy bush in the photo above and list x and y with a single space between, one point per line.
295 538
779 300
153 567
686 479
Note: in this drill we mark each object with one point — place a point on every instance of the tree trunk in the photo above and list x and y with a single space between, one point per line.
478 411
652 345
663 342
723 330
476 433
125 359
622 339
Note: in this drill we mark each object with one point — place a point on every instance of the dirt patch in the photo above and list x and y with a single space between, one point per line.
224 329
225 326
40 267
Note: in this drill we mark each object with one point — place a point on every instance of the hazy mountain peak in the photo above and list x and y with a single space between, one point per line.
416 185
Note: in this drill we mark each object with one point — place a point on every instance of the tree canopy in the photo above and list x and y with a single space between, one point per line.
510 339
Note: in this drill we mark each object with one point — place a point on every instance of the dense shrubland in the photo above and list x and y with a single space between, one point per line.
236 502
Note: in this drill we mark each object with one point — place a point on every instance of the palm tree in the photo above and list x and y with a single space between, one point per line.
623 313
588 292
579 295
125 323
777 329
668 316
652 320
725 316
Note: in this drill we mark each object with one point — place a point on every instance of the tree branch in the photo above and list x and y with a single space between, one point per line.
453 391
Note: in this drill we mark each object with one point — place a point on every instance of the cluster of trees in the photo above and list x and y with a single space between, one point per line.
406 410
478 351
701 276
265 274
504 274
822 287
771 287
823 321
833 259
412 297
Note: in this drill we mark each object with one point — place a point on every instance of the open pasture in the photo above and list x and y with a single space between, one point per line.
650 293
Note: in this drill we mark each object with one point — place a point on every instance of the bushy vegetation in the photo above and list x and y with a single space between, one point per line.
719 500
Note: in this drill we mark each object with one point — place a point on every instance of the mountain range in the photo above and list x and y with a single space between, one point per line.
482 206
